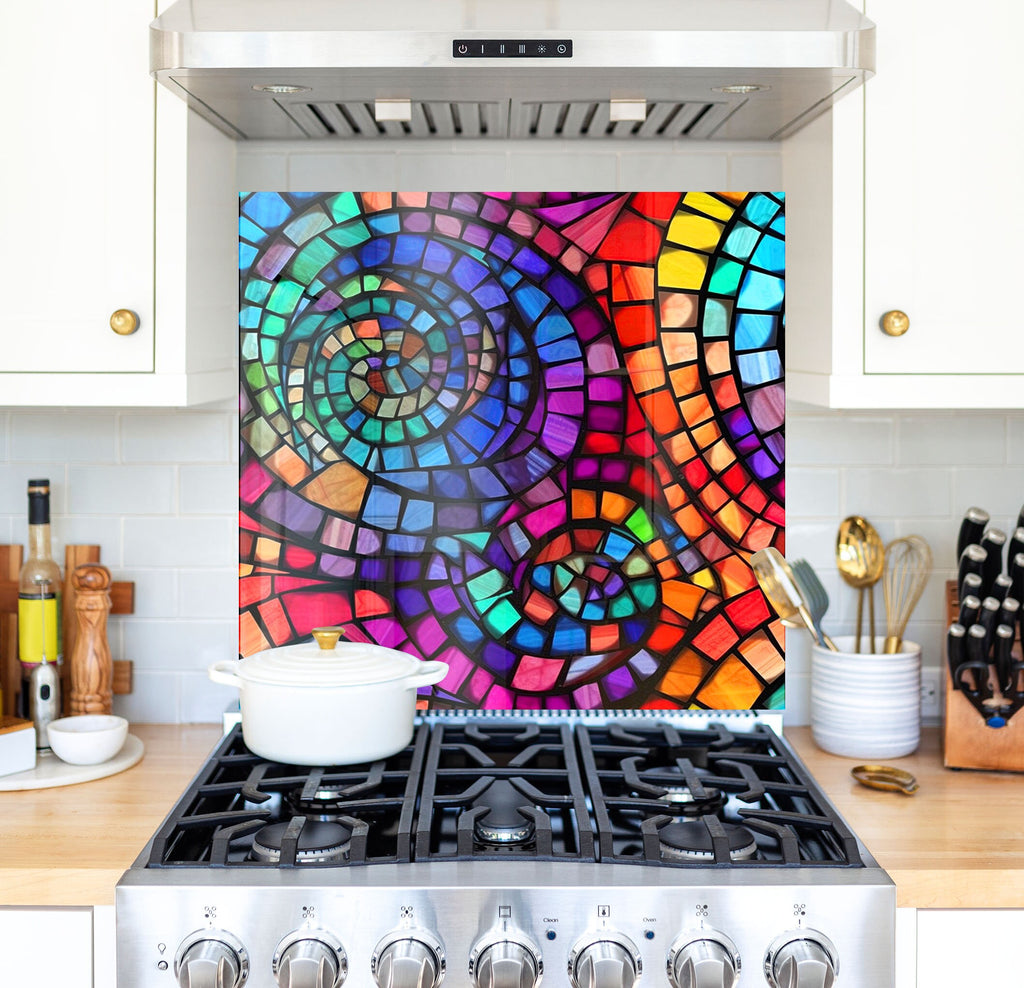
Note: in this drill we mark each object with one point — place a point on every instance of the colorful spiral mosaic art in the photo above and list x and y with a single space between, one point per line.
534 435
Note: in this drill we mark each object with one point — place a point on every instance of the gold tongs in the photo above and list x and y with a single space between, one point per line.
885 777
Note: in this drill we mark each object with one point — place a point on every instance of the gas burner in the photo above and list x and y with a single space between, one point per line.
327 803
691 841
682 801
319 843
502 823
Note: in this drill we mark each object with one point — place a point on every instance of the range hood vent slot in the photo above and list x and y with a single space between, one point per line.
354 119
591 118
539 120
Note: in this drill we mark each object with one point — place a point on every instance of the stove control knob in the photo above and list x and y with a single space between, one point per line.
801 959
505 963
211 959
408 959
707 960
310 959
606 960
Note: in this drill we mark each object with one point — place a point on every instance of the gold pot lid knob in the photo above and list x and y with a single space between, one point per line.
895 322
327 638
124 322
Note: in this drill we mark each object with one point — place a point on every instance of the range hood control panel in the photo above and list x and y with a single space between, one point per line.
512 48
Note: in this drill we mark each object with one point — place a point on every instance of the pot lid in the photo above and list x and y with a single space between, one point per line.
341 664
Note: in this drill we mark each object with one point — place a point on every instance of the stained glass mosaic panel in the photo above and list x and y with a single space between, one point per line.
534 435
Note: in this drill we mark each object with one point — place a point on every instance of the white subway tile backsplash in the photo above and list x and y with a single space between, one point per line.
896 492
203 701
936 440
70 436
121 490
175 437
156 645
209 593
811 539
815 440
1015 439
155 698
999 490
156 591
14 478
181 542
812 492
104 531
209 490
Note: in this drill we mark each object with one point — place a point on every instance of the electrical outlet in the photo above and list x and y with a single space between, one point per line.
931 689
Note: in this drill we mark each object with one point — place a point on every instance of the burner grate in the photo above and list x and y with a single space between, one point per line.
628 791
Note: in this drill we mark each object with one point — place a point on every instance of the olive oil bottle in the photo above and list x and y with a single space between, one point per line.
39 594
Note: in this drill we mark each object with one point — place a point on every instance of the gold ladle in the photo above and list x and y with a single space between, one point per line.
860 558
777 584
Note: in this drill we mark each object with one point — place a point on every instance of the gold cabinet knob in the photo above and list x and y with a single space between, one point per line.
124 322
895 323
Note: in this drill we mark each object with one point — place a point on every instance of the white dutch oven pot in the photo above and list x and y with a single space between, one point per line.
326 703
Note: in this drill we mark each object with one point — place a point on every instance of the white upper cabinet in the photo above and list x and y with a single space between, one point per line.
101 214
903 200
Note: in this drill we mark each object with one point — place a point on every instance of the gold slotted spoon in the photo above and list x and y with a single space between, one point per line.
777 583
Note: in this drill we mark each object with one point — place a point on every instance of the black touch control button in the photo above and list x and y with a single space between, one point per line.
512 48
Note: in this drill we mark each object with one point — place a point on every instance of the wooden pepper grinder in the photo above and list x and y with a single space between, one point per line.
92 670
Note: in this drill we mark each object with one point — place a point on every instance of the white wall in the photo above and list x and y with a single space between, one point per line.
158 489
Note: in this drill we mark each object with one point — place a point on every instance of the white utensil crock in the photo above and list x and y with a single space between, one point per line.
303 705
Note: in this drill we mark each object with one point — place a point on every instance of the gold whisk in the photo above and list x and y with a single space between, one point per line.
908 562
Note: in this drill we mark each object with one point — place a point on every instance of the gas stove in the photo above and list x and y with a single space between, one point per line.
498 850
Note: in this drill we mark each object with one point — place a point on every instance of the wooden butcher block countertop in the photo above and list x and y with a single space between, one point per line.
958 843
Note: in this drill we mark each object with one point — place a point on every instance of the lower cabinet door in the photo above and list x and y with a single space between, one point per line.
46 947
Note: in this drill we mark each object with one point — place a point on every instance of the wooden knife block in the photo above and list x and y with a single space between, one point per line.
967 741
122 597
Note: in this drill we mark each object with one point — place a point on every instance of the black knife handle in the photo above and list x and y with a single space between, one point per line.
992 542
988 619
971 587
956 650
1016 545
1001 587
973 524
1010 611
1016 572
1004 644
1020 518
980 690
970 608
972 560
977 659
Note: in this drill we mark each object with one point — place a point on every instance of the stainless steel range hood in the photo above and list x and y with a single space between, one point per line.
676 69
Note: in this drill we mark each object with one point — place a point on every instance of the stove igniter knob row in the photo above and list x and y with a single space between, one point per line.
604 960
707 960
310 959
505 960
801 959
211 959
408 959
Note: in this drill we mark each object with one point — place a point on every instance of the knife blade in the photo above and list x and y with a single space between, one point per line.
992 542
1004 644
971 527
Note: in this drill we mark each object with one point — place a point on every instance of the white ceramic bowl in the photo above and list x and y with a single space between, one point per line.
88 739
